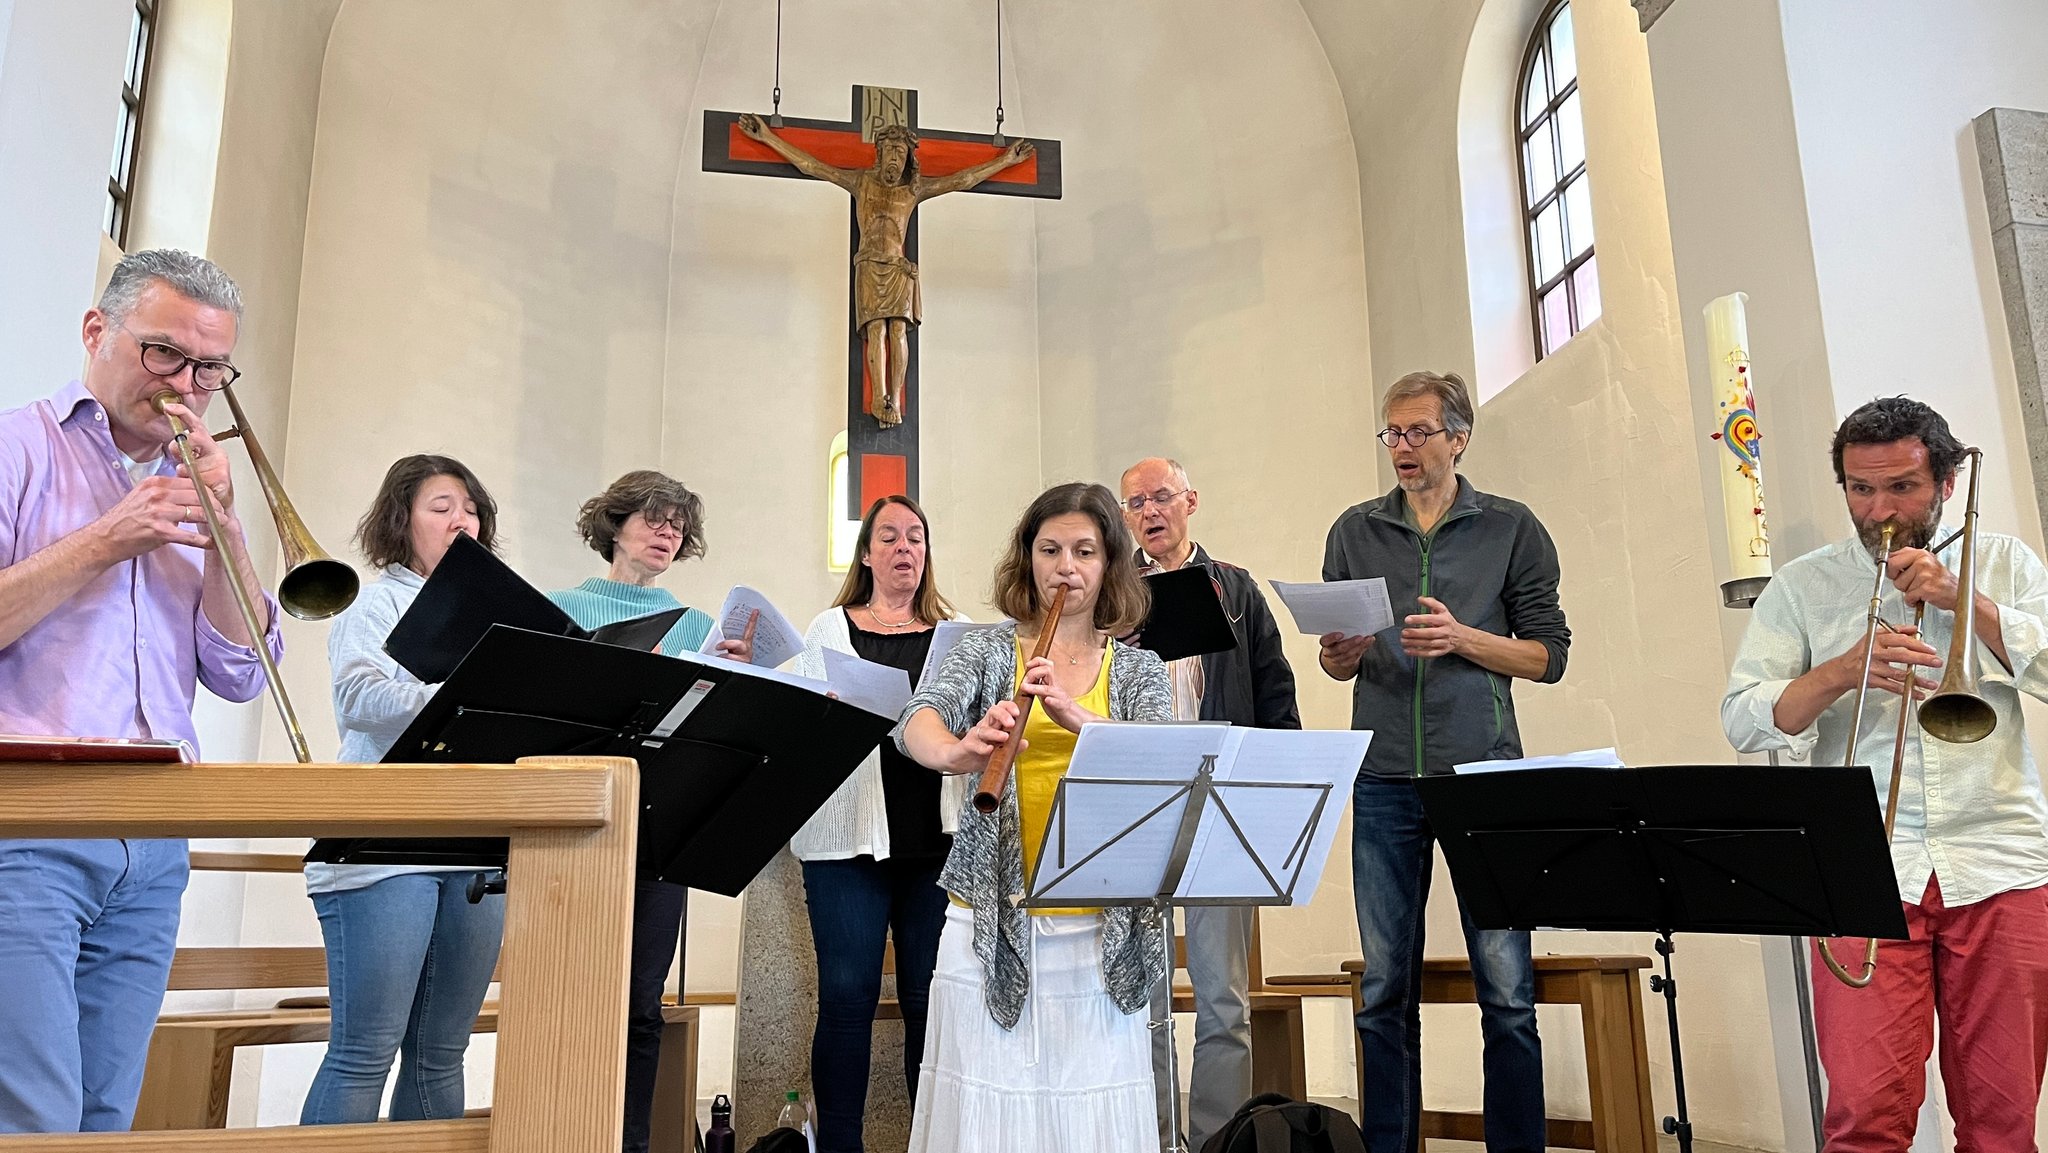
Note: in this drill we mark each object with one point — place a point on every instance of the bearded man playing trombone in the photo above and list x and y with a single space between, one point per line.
1970 845
113 604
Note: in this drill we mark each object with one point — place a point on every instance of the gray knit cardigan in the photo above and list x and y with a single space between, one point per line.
986 868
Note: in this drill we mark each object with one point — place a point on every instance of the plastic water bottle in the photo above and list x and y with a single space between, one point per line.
720 1138
796 1114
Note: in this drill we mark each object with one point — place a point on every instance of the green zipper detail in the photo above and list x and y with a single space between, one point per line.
1499 721
1421 664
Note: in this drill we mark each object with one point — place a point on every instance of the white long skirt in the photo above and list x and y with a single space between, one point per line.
1075 1074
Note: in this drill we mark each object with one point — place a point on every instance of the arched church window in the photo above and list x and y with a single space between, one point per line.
128 129
1564 286
841 534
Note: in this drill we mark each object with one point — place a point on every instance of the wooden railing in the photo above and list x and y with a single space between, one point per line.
561 1054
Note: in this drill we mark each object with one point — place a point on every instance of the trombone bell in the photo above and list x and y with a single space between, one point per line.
1956 712
315 586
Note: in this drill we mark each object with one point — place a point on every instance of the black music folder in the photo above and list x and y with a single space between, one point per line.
1187 618
471 590
732 761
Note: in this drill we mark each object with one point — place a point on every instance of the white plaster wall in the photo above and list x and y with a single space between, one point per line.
1883 94
1598 439
60 94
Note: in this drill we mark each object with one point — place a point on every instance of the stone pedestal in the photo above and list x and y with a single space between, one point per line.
778 1003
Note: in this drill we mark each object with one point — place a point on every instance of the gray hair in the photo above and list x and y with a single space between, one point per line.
1453 399
192 277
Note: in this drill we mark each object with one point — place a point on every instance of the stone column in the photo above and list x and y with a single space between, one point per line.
1647 11
2012 151
778 1002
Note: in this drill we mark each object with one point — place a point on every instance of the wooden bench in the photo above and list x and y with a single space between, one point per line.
1609 995
571 823
191 1055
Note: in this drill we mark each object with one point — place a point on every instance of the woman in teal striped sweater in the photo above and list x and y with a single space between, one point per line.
644 523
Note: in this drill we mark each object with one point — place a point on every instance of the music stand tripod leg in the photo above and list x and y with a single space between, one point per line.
1681 1125
1162 911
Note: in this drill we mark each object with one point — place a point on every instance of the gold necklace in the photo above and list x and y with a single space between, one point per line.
876 617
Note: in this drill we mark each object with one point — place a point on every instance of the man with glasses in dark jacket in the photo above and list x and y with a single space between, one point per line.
1482 576
1251 685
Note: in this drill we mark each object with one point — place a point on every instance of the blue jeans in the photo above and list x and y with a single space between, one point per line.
87 930
1391 863
408 962
853 903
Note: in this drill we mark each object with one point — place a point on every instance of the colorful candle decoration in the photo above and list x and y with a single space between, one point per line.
1738 451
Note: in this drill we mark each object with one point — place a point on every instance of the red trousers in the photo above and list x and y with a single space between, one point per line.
1983 970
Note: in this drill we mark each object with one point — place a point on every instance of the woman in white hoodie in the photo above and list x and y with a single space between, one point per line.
871 856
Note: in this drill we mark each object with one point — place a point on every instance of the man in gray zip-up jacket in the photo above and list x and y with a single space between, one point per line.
1477 576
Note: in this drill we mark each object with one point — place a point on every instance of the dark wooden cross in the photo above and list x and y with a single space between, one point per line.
880 461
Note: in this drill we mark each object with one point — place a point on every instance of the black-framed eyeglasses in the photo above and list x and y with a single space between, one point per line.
1162 498
1416 437
168 360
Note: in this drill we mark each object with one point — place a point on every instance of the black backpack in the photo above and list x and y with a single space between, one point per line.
780 1141
1275 1123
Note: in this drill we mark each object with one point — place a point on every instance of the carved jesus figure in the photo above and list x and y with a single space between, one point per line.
885 290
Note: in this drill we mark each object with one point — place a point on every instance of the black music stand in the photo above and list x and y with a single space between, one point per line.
1746 849
732 763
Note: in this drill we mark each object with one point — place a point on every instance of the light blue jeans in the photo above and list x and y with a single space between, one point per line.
87 930
408 962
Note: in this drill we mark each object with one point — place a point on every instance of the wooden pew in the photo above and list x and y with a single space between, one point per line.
1610 999
191 1055
571 823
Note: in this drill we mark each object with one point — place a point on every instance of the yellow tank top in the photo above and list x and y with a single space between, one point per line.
1044 761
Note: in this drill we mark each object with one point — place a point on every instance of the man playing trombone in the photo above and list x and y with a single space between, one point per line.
113 604
1970 842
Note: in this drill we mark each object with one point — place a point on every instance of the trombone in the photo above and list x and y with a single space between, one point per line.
314 587
1955 712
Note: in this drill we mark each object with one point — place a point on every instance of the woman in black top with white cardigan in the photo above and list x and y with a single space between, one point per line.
871 855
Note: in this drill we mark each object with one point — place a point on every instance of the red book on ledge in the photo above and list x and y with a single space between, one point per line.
93 750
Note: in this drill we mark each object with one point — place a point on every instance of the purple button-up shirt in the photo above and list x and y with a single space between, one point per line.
120 657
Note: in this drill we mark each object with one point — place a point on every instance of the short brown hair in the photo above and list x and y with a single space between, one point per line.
859 585
659 495
385 532
1453 399
1124 601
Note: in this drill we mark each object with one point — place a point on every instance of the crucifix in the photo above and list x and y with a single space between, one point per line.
888 166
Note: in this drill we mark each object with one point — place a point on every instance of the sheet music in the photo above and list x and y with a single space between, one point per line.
1272 820
1094 813
945 635
808 684
1355 608
1585 759
878 688
776 640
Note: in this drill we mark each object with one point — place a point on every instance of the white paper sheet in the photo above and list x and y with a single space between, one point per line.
1271 820
1355 608
945 635
776 640
1585 759
880 689
1092 812
808 684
